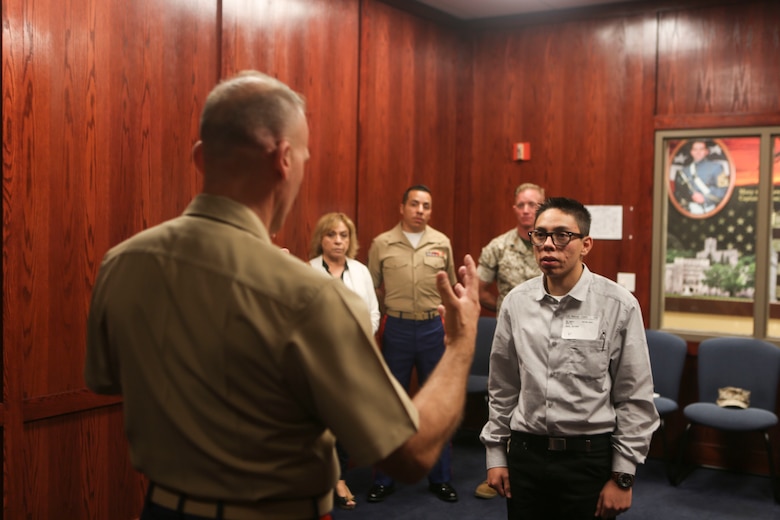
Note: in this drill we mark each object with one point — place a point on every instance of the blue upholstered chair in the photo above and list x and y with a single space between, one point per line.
480 367
667 359
746 363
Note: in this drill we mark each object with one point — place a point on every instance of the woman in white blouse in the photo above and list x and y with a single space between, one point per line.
333 248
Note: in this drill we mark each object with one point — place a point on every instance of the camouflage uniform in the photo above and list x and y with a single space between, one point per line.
509 261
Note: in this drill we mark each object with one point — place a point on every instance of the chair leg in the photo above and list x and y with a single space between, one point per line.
682 470
668 460
770 459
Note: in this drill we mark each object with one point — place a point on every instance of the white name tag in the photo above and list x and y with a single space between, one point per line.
580 327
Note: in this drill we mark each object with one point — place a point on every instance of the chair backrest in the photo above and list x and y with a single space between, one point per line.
747 363
485 330
667 360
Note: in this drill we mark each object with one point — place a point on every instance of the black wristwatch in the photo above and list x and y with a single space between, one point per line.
623 480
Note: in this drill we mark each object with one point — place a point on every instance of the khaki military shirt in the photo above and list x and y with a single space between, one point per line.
409 273
236 361
509 261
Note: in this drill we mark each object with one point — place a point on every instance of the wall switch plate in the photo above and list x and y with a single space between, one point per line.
627 280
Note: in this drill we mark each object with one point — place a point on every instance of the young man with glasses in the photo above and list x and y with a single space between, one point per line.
571 393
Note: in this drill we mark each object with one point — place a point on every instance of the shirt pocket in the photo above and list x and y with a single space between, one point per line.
394 263
436 262
588 360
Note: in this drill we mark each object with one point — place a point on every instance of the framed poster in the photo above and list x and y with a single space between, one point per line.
713 194
716 232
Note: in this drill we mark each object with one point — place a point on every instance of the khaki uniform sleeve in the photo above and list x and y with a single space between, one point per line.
335 366
101 366
374 264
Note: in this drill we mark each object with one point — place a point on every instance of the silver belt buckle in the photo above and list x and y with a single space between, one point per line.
556 444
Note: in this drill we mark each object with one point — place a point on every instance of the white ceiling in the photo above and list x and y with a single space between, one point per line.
472 9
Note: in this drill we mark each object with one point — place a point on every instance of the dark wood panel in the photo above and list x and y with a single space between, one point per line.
719 60
98 149
693 121
408 118
314 50
620 9
77 466
48 406
427 12
726 308
582 95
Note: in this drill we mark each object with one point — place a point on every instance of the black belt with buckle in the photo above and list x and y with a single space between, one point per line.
584 443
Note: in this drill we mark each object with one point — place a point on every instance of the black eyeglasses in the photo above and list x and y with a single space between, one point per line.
559 238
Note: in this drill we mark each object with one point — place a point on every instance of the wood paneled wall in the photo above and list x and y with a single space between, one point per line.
101 102
718 66
581 93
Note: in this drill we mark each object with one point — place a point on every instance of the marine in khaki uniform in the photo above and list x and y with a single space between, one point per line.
239 364
404 263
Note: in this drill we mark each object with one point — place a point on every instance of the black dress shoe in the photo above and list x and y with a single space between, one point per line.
378 492
444 491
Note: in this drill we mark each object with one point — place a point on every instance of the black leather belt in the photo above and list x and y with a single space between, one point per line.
583 443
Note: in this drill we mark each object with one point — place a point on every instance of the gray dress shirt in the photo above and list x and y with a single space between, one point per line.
575 365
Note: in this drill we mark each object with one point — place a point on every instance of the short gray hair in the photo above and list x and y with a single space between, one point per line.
251 109
529 186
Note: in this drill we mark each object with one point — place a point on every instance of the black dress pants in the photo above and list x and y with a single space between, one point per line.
563 483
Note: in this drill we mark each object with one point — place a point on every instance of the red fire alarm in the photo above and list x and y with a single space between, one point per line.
521 151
